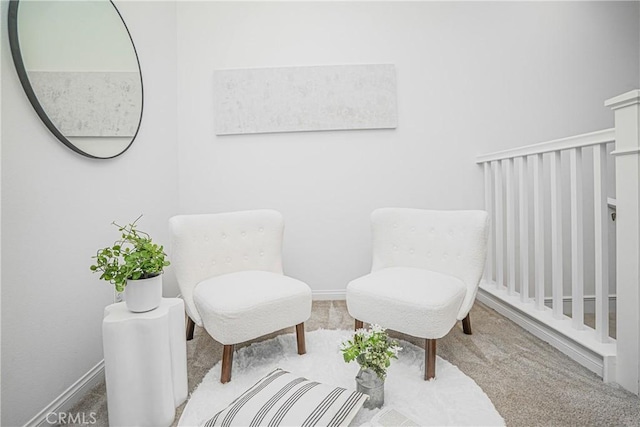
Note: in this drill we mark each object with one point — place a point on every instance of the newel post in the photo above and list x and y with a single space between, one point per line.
627 157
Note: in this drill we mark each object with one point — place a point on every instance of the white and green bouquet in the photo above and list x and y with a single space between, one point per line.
372 349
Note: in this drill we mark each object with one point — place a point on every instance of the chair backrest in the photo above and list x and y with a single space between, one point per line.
449 242
204 246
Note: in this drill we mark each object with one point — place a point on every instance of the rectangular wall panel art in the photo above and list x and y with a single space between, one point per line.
291 99
90 103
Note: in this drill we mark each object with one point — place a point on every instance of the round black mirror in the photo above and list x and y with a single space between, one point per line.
79 68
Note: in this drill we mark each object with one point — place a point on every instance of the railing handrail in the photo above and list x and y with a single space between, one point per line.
577 141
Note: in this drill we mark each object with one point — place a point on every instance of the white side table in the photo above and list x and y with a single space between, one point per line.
145 358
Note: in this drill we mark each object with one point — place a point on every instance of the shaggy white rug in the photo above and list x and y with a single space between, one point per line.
451 399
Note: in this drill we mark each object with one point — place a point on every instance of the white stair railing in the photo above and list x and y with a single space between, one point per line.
524 195
525 199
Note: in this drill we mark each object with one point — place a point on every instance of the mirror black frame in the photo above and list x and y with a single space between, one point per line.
14 44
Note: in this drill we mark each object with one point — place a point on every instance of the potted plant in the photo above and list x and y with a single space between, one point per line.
373 350
133 264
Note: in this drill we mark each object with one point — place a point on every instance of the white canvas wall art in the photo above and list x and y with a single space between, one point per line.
88 103
315 98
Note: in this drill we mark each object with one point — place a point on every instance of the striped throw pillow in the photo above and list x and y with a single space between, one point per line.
284 399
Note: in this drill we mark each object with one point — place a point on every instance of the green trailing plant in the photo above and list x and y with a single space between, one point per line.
372 349
133 257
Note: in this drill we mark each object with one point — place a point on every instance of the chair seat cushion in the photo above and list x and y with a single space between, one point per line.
414 301
241 306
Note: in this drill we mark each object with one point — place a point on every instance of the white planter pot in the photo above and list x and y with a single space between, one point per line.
144 294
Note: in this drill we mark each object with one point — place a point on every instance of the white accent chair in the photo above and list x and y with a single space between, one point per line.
229 271
426 270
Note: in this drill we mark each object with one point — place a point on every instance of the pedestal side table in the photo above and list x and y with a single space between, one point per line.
145 358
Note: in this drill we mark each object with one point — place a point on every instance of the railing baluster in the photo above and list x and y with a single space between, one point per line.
524 228
556 234
601 241
577 251
499 226
511 235
488 201
538 215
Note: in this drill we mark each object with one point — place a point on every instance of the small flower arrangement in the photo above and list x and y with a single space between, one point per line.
372 349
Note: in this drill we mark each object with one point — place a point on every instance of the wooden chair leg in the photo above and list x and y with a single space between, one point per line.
359 324
190 327
302 349
227 362
429 359
466 324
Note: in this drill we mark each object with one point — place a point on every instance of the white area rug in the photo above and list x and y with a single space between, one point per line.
451 399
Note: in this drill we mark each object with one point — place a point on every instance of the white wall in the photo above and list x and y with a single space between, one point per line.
56 211
472 78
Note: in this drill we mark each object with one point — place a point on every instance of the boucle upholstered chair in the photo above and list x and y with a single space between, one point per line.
229 271
425 274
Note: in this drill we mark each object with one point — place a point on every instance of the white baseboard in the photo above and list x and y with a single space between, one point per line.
589 303
322 295
332 294
69 398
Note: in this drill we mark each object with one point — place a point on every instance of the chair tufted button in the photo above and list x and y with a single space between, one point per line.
206 238
395 225
224 236
429 254
228 260
213 263
261 229
459 256
411 251
395 248
243 234
432 230
246 258
445 256
413 229
202 265
261 253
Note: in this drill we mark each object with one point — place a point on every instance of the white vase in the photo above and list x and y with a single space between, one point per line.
143 294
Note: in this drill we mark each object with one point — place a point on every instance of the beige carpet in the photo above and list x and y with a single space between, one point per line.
529 382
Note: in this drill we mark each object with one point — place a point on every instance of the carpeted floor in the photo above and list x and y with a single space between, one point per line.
529 382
